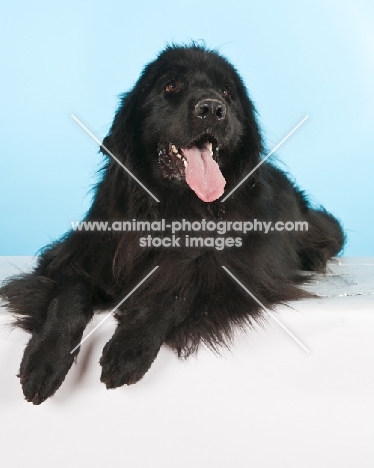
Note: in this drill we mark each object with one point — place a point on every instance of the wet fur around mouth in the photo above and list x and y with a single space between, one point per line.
189 300
172 160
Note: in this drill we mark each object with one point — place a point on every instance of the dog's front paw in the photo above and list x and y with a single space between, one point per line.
43 369
124 365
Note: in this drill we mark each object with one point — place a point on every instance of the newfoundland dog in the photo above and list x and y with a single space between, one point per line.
187 135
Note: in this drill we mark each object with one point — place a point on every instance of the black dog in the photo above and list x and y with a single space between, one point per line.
188 132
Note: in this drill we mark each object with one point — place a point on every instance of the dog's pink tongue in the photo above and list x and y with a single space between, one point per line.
203 174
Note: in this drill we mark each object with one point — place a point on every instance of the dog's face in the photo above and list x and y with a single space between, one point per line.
194 118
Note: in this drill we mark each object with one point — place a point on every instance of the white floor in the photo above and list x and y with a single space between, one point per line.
267 403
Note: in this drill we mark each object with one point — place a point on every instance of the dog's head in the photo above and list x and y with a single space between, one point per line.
191 122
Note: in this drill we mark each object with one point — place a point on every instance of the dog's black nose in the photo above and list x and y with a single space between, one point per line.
210 108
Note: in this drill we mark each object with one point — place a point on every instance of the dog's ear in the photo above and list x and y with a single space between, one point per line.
106 147
119 139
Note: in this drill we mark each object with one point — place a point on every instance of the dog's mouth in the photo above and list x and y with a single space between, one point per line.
196 163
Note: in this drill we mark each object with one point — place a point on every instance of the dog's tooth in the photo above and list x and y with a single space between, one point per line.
178 156
185 162
174 149
210 147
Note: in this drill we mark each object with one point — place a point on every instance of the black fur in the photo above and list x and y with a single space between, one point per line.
190 299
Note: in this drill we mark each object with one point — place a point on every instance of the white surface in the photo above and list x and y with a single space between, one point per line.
266 403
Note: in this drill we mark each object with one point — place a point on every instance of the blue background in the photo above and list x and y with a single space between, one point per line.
296 58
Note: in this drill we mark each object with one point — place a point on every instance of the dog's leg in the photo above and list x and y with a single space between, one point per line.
47 357
323 239
134 346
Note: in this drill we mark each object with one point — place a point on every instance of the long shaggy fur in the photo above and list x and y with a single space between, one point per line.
190 299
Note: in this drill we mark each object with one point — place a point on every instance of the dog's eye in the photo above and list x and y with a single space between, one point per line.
225 92
172 86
